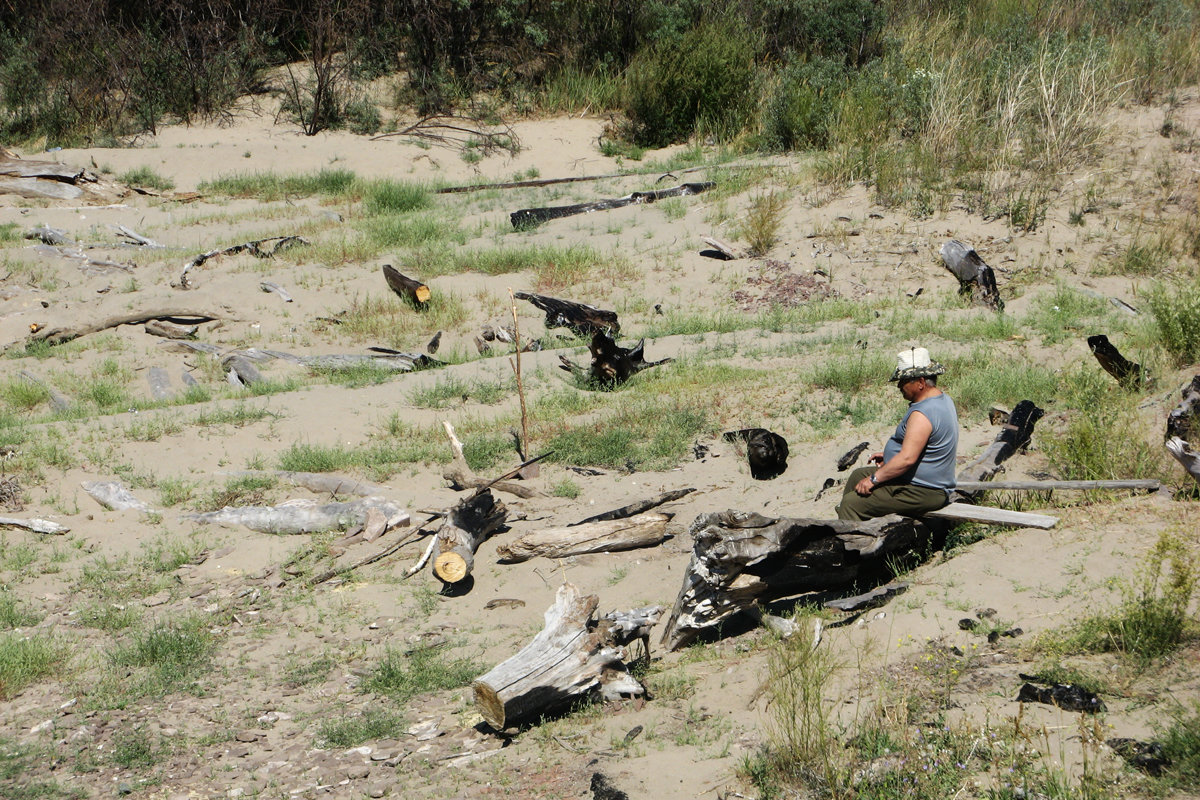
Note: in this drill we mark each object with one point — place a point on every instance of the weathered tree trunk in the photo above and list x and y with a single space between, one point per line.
407 288
1127 373
612 364
974 276
643 530
1013 436
571 656
532 217
1183 428
463 530
60 334
740 559
581 319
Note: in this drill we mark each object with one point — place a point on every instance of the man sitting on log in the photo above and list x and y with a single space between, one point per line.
915 472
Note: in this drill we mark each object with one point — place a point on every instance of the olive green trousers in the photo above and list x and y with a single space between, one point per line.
887 498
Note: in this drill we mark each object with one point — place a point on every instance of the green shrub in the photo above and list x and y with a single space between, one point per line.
802 110
347 731
25 660
1176 313
704 80
1181 744
147 178
427 669
387 196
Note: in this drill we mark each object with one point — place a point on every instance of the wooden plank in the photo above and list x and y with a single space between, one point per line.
1045 486
965 512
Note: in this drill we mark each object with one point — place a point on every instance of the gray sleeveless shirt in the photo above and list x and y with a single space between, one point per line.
935 469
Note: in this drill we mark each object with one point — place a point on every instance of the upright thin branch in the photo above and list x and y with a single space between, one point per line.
520 384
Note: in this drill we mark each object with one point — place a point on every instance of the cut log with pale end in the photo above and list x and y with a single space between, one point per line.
463 530
1127 373
974 276
965 512
611 365
633 509
571 656
410 289
1013 436
581 319
740 559
643 530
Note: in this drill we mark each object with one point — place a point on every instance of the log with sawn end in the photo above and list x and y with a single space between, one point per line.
642 530
974 276
462 531
570 657
611 364
410 289
532 217
740 559
580 318
1127 373
640 507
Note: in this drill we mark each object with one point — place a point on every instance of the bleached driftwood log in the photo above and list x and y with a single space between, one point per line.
643 530
633 509
974 276
463 530
740 559
303 516
570 657
59 334
114 496
611 364
35 525
1183 429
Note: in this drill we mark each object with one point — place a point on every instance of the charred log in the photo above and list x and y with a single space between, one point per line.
612 364
581 319
1127 373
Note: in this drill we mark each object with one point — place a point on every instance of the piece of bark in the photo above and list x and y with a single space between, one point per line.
35 525
766 451
642 530
302 516
640 507
259 248
740 559
466 526
410 289
581 319
1013 436
571 656
974 276
851 457
170 330
1128 374
611 364
532 217
59 334
271 286
719 250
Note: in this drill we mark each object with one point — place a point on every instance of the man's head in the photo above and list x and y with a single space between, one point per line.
915 363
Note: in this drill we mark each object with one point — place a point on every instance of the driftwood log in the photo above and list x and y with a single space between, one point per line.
1127 373
611 364
407 288
463 530
643 530
259 248
571 656
581 319
740 559
46 179
1183 429
303 516
633 509
1014 435
974 276
59 334
850 458
721 250
766 451
532 217
34 525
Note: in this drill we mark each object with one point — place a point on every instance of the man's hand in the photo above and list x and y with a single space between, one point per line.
864 486
876 458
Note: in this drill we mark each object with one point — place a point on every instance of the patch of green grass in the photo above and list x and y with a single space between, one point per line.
166 657
638 435
108 616
386 196
393 232
852 373
20 762
272 186
1181 744
136 748
565 488
350 731
452 391
18 394
301 671
236 415
24 660
146 177
241 490
1176 312
316 458
430 669
16 614
484 450
390 321
976 380
358 375
552 266
10 232
1067 314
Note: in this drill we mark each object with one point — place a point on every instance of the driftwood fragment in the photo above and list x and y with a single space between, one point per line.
876 597
462 531
967 512
1149 485
59 334
88 264
611 364
272 287
35 525
571 656
1184 419
640 507
581 319
851 457
719 249
642 530
259 248
974 276
434 343
114 496
532 217
1066 696
302 516
1014 435
1127 373
55 237
740 559
1182 451
136 238
241 371
410 289
170 330
766 451
461 476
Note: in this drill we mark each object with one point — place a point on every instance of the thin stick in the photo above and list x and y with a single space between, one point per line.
382 554
520 383
423 560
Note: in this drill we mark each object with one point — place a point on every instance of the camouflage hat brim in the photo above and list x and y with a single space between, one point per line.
930 370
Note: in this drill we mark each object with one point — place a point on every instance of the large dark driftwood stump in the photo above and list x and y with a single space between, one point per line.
1014 435
580 318
611 364
740 559
1127 373
570 657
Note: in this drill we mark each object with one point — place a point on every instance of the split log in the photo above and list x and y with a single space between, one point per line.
766 451
570 657
643 530
581 319
1127 373
462 531
633 509
407 288
532 217
974 276
740 559
461 476
302 516
259 248
35 525
58 335
611 364
1014 435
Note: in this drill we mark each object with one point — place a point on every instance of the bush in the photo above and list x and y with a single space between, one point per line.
1177 320
703 80
802 110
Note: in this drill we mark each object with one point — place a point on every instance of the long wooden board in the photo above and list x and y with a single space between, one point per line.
966 512
1045 486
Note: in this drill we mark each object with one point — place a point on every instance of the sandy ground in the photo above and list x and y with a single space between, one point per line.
251 731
